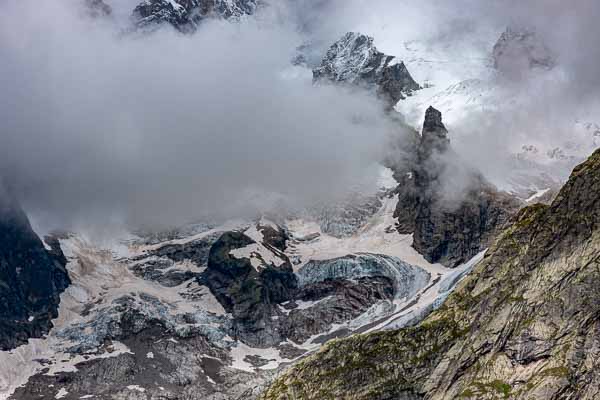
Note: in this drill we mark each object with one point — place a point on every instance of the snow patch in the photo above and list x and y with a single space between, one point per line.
259 255
241 351
537 195
176 6
378 236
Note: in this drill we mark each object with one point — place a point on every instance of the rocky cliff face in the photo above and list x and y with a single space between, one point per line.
452 210
31 279
355 60
249 280
185 15
523 325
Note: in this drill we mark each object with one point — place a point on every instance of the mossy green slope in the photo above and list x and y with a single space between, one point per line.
525 324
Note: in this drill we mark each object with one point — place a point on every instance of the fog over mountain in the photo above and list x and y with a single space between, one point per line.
458 36
99 120
162 127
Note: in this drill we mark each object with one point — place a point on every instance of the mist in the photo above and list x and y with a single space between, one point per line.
100 123
162 128
530 107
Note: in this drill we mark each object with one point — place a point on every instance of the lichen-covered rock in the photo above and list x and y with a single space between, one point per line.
523 325
355 60
31 278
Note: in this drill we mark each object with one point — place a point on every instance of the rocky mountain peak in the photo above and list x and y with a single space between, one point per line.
347 59
434 135
451 209
355 60
433 121
185 15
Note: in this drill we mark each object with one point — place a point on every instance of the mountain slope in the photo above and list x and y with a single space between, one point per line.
523 325
213 311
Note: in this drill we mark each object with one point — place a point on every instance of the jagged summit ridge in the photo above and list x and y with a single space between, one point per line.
355 60
352 58
185 15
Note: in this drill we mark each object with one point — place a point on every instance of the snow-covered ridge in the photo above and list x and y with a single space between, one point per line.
355 60
350 57
185 15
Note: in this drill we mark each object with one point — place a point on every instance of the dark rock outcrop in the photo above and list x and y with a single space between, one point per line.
522 325
185 15
247 291
355 60
452 210
159 264
274 236
335 301
31 279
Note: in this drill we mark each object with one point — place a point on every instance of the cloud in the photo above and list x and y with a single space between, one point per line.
161 128
529 107
164 127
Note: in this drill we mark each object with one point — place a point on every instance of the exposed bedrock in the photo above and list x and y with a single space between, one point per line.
452 209
31 278
248 291
355 60
186 15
